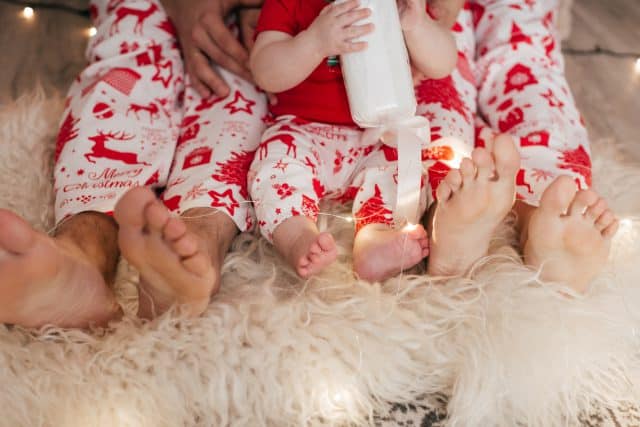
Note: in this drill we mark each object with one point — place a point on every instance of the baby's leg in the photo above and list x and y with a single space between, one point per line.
281 184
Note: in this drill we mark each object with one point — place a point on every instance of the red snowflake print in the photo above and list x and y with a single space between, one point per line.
553 100
196 192
443 92
373 211
235 170
541 174
281 165
284 190
578 161
519 77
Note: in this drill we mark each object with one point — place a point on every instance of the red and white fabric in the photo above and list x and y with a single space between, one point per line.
131 119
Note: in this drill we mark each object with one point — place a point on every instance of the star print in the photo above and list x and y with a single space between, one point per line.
230 206
281 165
240 103
164 73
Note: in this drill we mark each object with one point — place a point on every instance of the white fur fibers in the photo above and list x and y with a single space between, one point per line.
273 351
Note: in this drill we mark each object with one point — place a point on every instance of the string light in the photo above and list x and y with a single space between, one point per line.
91 31
27 13
409 227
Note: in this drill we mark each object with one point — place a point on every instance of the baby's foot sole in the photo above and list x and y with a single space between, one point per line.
380 252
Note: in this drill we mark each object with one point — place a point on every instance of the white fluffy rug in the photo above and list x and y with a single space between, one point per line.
272 351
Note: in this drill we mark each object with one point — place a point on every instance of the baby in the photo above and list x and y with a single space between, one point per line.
314 150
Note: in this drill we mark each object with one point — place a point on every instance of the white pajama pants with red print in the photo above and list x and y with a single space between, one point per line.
301 163
509 50
131 119
522 91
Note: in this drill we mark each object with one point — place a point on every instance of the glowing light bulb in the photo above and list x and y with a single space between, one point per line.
410 227
638 65
27 13
91 31
348 218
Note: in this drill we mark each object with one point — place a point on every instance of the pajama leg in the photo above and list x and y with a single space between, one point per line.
298 164
281 185
217 143
450 104
121 116
523 92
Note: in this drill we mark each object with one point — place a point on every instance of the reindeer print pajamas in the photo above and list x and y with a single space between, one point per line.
131 119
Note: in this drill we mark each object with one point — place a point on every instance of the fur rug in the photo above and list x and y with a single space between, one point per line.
501 346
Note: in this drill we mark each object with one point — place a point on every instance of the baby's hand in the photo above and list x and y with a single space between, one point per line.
333 30
413 13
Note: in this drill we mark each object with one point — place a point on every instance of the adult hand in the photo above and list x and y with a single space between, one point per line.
205 39
445 11
247 21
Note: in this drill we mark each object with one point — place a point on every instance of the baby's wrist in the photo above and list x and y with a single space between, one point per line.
312 40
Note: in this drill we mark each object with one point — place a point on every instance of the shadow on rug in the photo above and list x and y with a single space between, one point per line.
498 348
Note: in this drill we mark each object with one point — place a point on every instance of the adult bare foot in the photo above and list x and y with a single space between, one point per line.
472 202
174 263
380 252
569 235
306 249
46 280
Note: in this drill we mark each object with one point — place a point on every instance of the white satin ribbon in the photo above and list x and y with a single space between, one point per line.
408 136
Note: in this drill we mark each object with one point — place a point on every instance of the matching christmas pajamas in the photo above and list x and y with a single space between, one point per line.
131 119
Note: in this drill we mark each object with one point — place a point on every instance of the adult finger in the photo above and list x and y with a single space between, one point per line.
205 73
233 55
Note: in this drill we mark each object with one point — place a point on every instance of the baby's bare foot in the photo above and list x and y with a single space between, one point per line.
569 235
306 249
472 202
380 252
174 265
48 281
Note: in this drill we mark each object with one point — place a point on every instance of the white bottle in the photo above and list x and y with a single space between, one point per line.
378 79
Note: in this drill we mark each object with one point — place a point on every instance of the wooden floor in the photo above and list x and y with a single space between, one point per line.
50 49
